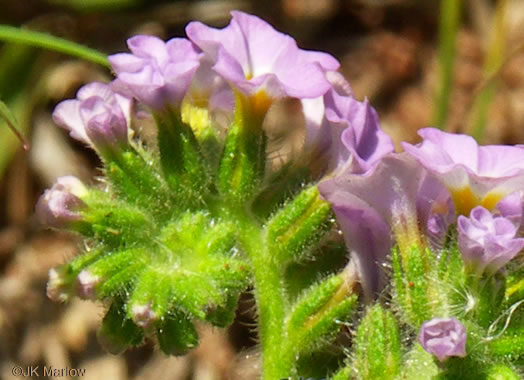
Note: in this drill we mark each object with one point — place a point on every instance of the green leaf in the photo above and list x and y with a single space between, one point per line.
135 178
319 313
113 222
177 335
311 302
502 372
49 42
415 284
118 332
118 270
378 351
419 365
298 227
342 374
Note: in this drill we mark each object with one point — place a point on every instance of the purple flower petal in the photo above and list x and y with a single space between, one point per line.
59 206
143 46
158 74
512 208
434 204
98 117
211 90
368 237
443 337
372 207
124 62
487 242
67 115
253 56
474 175
346 131
363 142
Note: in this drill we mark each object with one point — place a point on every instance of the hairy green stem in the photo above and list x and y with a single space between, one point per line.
269 299
49 42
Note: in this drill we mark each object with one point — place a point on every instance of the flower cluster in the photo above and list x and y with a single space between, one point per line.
416 195
182 227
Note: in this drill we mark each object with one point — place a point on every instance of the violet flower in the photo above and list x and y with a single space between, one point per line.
318 136
258 60
60 205
487 242
358 142
375 207
97 117
474 175
443 337
343 131
157 73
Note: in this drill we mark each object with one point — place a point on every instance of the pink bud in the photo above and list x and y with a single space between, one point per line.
443 337
60 205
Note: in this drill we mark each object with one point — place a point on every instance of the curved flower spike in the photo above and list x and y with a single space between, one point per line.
97 117
443 337
487 242
59 206
254 57
474 175
157 73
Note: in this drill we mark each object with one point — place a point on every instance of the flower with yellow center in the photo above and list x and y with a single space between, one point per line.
474 175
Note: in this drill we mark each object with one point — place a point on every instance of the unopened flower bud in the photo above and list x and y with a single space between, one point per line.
157 73
98 117
60 205
106 125
86 283
143 315
487 242
443 337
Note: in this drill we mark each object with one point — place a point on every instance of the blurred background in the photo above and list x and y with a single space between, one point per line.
455 64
